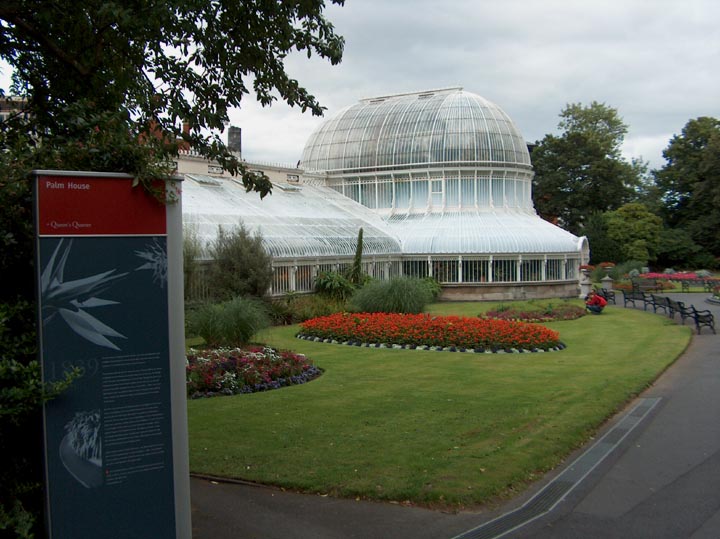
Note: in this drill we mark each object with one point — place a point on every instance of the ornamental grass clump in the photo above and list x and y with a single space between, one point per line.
426 330
229 371
231 323
398 295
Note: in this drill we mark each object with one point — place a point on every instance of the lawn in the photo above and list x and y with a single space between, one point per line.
434 428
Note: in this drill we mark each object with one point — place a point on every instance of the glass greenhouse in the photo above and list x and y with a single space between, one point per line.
441 183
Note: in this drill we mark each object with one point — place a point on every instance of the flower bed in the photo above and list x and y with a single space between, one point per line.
416 330
550 314
226 371
671 276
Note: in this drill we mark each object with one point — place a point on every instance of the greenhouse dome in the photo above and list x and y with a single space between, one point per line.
440 182
425 129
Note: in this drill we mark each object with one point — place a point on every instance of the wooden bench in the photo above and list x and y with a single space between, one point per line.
659 302
703 319
685 284
631 296
706 284
645 285
678 307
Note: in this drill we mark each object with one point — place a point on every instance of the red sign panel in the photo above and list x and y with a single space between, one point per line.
89 206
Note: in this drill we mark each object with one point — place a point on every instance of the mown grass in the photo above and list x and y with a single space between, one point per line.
435 428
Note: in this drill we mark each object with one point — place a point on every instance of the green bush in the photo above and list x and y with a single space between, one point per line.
240 265
398 295
192 251
231 323
624 268
433 286
295 308
22 395
335 285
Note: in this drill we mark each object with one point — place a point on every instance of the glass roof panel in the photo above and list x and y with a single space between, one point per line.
316 221
441 126
309 222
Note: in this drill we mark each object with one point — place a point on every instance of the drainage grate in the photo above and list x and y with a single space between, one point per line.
540 504
544 501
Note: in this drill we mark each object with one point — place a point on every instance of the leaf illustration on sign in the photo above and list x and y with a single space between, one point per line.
81 448
156 261
70 299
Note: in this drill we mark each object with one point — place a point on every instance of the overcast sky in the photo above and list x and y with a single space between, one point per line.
656 61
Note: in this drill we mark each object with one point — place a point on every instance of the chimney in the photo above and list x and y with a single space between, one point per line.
234 142
184 145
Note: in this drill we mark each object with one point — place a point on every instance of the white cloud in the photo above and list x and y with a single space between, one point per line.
655 62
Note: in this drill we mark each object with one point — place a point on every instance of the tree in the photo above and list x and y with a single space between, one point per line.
690 182
355 273
582 170
602 247
144 68
240 265
676 249
122 86
636 230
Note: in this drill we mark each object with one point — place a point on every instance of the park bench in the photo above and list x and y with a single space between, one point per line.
648 301
631 296
706 284
703 319
659 302
685 284
678 307
645 285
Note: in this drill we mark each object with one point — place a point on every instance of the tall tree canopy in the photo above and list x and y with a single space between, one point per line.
98 73
582 171
635 230
689 182
106 85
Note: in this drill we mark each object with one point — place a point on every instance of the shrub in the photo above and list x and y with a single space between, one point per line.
22 394
433 286
629 267
294 308
398 295
192 251
240 265
231 323
334 285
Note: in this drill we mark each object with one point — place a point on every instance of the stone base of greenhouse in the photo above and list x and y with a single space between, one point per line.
509 291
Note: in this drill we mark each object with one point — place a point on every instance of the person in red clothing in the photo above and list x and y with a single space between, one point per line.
595 303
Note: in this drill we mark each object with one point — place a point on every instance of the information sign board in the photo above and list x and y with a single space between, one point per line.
116 441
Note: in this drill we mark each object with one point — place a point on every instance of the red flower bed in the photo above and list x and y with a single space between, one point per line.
427 330
670 276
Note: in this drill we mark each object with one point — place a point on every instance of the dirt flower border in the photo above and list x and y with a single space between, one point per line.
427 332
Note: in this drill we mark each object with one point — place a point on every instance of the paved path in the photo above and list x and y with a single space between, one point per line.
660 479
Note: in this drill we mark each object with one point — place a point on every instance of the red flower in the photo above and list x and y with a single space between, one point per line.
424 330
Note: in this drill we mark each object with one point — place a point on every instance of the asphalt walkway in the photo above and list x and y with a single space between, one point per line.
652 472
